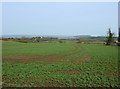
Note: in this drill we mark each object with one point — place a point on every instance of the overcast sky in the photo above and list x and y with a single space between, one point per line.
59 18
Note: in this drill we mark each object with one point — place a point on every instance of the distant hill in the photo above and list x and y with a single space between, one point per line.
82 36
58 36
16 36
30 36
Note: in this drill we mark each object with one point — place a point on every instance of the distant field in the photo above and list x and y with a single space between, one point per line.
59 65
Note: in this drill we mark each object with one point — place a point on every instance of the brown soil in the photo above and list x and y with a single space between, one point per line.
83 59
53 84
72 72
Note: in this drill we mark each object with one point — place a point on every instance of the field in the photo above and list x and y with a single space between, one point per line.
59 65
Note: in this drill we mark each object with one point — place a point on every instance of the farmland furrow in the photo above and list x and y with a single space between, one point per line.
48 59
73 53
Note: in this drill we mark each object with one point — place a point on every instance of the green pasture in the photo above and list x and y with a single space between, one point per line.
88 65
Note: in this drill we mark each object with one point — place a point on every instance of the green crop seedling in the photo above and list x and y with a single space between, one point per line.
59 65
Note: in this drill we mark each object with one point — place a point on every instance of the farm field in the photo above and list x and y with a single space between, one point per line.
59 65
